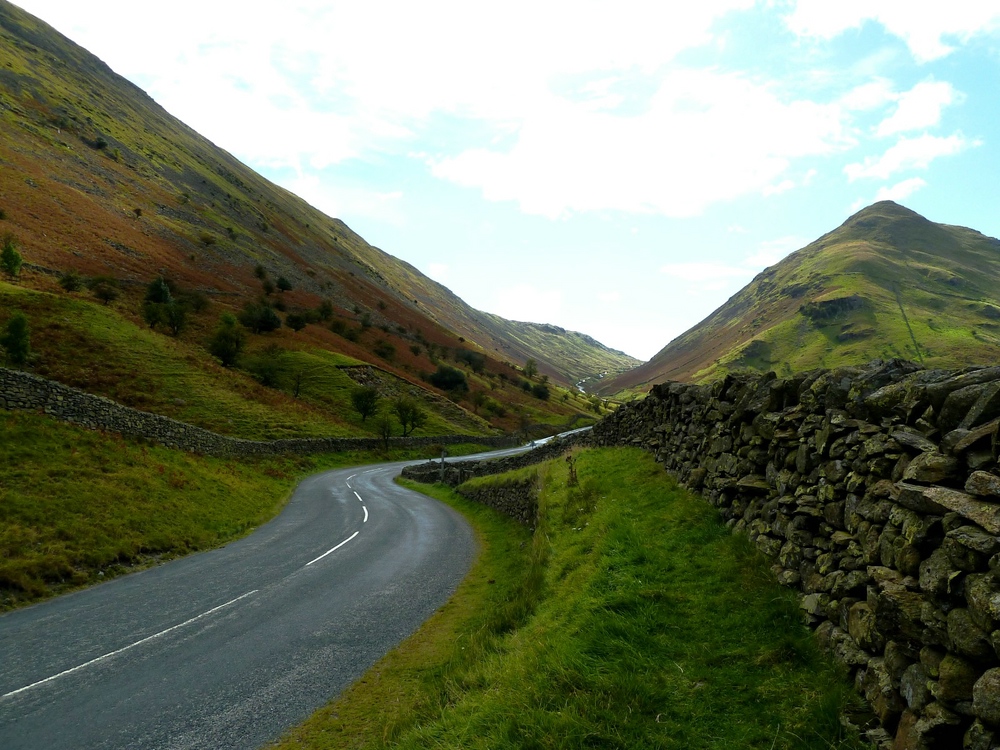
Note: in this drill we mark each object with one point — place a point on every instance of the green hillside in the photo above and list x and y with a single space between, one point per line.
96 177
887 283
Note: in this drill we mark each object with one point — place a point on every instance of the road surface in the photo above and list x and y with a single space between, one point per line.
231 647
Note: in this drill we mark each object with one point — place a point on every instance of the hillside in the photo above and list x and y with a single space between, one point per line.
887 283
99 181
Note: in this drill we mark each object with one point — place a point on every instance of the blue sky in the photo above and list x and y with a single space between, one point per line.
618 168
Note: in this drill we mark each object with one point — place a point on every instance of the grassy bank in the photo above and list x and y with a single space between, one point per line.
632 618
77 507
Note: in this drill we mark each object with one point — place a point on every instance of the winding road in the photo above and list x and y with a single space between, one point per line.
231 647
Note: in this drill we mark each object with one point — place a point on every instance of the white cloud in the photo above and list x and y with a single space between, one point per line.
872 95
770 252
918 108
706 137
338 201
930 29
609 296
909 153
438 272
901 190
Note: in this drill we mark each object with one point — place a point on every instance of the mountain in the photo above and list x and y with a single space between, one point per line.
98 178
887 283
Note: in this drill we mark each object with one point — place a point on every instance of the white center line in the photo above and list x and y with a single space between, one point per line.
126 648
365 509
358 497
334 549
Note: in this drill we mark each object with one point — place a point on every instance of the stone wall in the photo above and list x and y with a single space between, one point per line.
876 492
457 472
517 499
21 390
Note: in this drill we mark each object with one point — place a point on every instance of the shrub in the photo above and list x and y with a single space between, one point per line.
284 284
267 366
15 340
475 360
296 321
10 258
159 291
71 281
385 350
540 391
260 272
259 318
268 286
227 342
449 379
105 288
338 327
325 310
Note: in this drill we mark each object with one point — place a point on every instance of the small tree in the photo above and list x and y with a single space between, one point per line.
411 417
158 291
15 340
259 318
325 310
540 391
530 368
383 425
296 321
227 342
478 399
284 285
365 400
105 288
267 366
71 281
448 378
10 258
175 317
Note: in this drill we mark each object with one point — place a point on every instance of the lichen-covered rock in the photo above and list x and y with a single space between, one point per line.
986 697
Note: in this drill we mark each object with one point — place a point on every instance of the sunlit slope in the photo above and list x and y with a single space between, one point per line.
94 175
887 283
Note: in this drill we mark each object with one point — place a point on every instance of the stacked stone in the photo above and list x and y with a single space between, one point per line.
876 492
517 499
27 392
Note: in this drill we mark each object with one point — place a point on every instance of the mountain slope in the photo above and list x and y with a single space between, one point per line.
95 176
887 283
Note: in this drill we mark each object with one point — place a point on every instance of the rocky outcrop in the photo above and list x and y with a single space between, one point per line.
24 391
876 492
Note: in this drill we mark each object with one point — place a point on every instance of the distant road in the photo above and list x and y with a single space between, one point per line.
229 648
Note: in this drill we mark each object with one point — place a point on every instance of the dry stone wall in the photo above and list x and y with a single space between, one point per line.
876 492
517 499
24 391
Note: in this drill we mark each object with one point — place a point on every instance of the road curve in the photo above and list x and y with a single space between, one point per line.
231 647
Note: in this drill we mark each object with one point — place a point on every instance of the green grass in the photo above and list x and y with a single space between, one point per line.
632 618
77 507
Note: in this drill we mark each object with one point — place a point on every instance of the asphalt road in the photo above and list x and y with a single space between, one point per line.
229 648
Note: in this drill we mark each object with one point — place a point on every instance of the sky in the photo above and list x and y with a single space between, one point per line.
616 168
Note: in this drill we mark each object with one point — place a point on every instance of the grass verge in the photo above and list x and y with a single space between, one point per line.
632 618
78 507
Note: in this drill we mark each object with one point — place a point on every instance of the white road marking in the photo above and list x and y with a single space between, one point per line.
334 549
365 508
126 648
358 497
